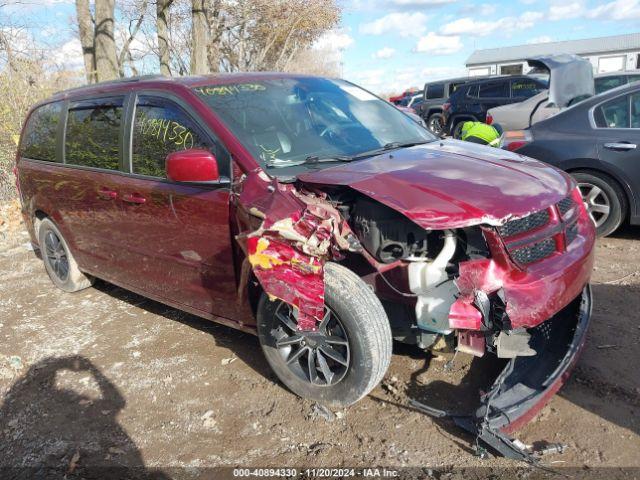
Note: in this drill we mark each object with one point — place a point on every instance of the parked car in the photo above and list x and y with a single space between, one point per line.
320 218
570 80
398 99
521 115
411 113
608 81
435 95
471 101
597 142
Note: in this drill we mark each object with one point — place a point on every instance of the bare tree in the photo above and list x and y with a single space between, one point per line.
105 43
199 38
86 33
164 52
125 57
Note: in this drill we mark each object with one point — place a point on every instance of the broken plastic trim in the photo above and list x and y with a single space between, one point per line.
526 383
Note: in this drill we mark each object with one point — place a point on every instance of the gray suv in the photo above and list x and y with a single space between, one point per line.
435 94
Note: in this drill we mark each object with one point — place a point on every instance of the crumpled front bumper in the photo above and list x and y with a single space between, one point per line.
527 383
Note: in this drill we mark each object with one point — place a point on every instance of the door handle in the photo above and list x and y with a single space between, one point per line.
620 146
107 194
134 198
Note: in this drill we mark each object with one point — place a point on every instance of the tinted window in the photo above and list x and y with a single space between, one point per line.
454 86
39 139
614 113
607 83
472 91
435 91
525 88
494 89
160 128
635 110
92 134
633 78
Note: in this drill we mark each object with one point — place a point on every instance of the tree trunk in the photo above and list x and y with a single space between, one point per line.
163 36
105 45
85 28
199 38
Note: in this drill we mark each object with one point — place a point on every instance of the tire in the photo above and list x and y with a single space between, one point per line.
434 124
456 130
599 191
355 313
55 255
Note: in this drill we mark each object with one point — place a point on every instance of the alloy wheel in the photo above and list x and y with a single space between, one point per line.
56 255
435 125
596 201
321 357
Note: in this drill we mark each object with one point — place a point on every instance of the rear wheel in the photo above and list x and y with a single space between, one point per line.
58 260
604 200
456 131
347 355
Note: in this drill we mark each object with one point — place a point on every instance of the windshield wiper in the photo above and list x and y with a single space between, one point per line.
387 147
309 160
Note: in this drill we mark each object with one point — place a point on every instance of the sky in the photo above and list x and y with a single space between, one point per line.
389 45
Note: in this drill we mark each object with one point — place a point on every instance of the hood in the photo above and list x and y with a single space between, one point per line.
570 77
451 184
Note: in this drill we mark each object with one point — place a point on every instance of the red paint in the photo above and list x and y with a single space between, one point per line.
454 185
193 165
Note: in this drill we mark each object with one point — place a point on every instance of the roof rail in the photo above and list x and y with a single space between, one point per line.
117 81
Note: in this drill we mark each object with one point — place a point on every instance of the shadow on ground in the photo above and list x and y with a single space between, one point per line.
49 431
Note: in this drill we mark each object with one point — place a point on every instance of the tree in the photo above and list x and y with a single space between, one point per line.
107 67
86 34
199 38
164 52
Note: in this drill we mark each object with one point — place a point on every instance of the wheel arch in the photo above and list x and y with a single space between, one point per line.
600 169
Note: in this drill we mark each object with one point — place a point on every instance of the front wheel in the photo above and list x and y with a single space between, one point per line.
347 355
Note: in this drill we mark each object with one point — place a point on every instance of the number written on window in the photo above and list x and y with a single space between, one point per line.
161 128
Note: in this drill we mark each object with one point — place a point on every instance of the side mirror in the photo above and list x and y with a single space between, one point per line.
193 165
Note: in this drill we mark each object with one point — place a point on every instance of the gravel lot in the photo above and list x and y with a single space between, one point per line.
106 377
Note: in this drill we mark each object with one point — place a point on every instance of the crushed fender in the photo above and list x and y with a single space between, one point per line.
298 233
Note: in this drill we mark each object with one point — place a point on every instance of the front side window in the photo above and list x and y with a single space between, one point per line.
93 132
297 121
161 127
435 91
39 139
525 88
613 114
635 110
494 90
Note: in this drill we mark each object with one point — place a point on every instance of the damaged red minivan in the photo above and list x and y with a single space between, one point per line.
312 213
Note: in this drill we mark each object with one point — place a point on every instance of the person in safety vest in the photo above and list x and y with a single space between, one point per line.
478 132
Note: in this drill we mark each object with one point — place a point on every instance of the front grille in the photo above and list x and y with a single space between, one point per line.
535 252
565 205
525 224
571 233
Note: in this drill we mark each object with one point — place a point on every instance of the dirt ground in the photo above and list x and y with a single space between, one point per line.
106 377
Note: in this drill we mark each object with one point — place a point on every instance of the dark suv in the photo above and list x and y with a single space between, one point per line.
472 100
435 95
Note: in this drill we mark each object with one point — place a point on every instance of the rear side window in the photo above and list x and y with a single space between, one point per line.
472 91
635 110
494 90
161 127
613 114
39 139
607 83
93 132
525 88
435 91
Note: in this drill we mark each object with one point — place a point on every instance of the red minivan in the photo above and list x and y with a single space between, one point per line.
319 217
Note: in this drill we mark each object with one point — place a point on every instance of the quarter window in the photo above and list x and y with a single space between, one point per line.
435 91
39 139
93 132
160 128
614 113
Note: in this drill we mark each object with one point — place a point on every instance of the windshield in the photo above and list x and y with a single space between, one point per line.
294 121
